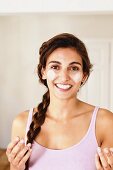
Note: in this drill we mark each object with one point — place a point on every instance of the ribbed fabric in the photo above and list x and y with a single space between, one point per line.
80 156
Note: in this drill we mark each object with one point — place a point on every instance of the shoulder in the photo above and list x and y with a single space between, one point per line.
21 118
105 126
105 117
19 124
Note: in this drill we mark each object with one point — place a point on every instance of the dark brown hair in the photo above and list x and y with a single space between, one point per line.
64 40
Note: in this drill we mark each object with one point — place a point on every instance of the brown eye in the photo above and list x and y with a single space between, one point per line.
55 67
74 68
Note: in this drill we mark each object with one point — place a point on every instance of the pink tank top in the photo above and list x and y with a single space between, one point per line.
80 156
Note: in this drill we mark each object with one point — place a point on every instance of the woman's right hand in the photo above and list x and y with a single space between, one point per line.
18 154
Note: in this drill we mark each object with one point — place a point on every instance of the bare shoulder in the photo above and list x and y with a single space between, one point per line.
105 127
19 124
105 117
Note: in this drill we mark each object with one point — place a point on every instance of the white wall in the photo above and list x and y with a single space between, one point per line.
13 6
20 39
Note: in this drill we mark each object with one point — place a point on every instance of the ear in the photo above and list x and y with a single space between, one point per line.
84 77
43 72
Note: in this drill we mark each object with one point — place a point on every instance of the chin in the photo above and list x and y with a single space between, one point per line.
65 97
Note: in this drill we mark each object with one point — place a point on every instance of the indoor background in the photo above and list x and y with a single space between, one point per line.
21 36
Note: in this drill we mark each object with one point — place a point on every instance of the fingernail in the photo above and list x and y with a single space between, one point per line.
17 139
29 144
99 150
22 141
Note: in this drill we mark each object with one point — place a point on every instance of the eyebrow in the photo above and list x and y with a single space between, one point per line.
57 62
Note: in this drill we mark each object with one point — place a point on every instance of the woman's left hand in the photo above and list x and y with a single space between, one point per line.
104 159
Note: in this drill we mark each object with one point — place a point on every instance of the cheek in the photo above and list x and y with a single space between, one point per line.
77 77
51 75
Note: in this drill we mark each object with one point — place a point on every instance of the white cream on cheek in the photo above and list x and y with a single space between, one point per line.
77 77
51 75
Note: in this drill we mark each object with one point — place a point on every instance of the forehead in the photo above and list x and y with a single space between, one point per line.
64 55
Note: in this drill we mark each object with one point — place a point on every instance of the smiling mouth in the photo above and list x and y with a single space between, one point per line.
63 86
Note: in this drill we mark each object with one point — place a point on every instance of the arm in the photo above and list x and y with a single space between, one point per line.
16 149
107 129
19 125
104 158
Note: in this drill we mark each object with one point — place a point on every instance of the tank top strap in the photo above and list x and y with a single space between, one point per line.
93 120
29 120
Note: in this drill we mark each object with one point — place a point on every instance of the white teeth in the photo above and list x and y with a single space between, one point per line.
63 86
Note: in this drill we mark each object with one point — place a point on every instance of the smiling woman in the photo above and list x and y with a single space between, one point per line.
62 132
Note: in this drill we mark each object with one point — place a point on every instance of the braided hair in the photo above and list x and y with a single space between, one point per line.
64 40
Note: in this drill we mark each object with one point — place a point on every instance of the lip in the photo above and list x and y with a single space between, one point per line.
64 84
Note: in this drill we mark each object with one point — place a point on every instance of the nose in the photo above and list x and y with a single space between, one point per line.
64 76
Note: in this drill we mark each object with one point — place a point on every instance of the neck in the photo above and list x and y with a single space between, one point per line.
62 109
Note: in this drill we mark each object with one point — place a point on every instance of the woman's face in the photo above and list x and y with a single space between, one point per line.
63 72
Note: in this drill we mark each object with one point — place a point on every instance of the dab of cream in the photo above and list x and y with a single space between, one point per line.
77 77
51 75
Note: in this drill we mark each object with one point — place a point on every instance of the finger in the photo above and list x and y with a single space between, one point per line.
16 149
11 145
97 162
25 158
109 156
21 154
103 160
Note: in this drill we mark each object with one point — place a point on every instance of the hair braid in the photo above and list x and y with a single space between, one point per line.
38 119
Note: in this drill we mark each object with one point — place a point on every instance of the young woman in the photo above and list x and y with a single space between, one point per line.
62 132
